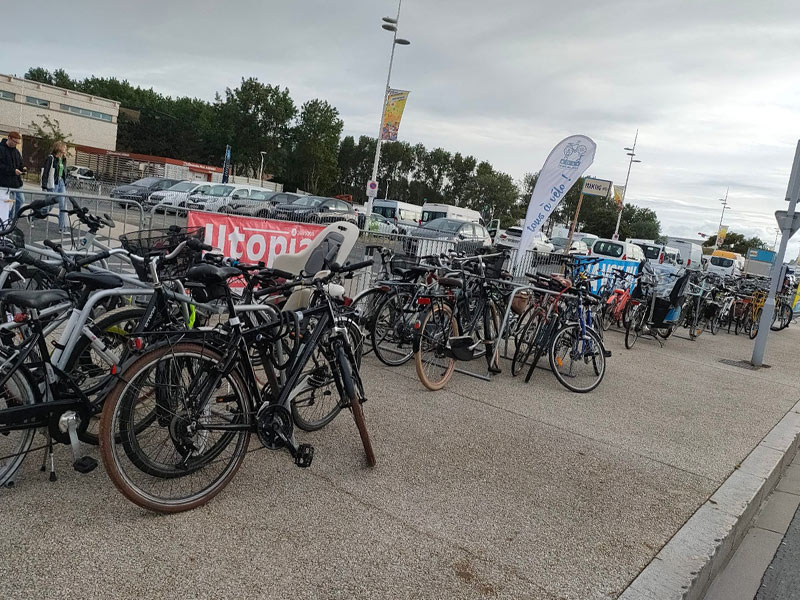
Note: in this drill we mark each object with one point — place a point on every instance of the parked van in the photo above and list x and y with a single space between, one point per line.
691 255
726 264
657 253
617 249
431 211
404 214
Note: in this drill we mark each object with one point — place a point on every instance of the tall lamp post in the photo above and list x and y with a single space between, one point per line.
389 24
725 206
261 168
632 153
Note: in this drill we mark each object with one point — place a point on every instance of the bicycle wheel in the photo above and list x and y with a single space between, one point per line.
431 355
393 330
354 401
90 372
577 358
15 444
752 330
714 324
607 316
365 305
634 327
524 347
176 463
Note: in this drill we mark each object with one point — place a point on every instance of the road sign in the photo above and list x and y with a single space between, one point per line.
596 187
782 216
372 188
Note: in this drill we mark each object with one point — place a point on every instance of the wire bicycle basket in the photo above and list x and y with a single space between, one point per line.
147 243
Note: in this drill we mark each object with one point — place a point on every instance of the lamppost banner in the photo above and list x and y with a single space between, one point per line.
619 194
395 103
565 164
723 231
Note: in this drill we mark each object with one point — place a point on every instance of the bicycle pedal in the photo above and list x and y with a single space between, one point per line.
85 464
607 353
304 455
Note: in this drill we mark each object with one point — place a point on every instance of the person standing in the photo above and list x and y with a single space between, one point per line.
54 175
11 168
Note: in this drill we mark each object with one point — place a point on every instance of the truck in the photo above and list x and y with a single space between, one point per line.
759 262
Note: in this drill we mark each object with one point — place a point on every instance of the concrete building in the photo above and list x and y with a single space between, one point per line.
88 120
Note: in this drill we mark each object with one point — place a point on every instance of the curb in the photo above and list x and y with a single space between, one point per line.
688 563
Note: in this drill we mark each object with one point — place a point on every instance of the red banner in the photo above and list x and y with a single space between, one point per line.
253 240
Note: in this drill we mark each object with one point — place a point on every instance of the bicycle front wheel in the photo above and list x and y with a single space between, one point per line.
393 330
354 400
577 358
184 457
15 444
431 354
634 327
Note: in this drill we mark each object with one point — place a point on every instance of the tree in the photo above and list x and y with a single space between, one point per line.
736 242
493 194
47 133
315 147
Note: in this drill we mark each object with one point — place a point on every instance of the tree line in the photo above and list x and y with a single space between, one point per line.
304 149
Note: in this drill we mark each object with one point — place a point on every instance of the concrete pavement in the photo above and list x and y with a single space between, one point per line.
483 490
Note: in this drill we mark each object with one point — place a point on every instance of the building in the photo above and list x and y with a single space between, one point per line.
87 120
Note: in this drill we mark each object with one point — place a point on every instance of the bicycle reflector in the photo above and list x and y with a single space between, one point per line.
20 317
136 343
423 301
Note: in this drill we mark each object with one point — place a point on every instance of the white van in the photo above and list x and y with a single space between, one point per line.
405 215
691 255
726 264
431 211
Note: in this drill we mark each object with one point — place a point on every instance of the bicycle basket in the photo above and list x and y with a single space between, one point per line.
149 242
494 266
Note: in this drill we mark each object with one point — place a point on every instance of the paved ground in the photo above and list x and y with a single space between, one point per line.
483 490
782 579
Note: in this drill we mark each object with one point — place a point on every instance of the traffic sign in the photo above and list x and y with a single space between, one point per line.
782 216
372 188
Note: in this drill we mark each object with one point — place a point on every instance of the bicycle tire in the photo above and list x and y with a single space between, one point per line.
354 401
752 330
365 305
597 356
119 399
524 348
635 325
302 406
16 451
397 328
446 327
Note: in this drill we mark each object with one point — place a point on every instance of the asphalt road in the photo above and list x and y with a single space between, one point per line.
782 579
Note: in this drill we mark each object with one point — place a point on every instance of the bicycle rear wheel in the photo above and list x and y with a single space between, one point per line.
178 462
393 330
635 325
525 345
577 358
431 354
15 444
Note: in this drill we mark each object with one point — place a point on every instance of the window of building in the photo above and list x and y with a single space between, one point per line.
4 95
85 112
37 101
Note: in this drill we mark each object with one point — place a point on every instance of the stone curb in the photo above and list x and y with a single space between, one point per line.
688 563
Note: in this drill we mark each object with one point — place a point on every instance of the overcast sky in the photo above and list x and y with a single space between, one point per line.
712 85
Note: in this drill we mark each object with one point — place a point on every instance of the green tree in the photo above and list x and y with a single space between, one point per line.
493 194
315 147
736 242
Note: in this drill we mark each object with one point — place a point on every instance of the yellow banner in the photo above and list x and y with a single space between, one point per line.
796 297
395 103
723 231
619 193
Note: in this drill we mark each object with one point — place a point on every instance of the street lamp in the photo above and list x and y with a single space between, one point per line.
261 168
632 153
389 24
725 205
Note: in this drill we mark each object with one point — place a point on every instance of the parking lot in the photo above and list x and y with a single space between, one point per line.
483 490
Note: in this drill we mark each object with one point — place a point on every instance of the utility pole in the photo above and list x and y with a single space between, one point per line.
632 154
788 224
724 206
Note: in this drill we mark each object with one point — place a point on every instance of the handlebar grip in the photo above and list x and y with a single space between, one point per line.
40 204
356 266
81 262
26 258
51 244
197 245
280 273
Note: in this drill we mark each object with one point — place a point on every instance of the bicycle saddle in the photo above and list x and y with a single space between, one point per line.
211 274
95 281
35 299
450 282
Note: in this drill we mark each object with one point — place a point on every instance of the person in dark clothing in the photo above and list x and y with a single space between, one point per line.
54 176
11 168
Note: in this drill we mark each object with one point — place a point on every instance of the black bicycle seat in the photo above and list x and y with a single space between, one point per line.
95 281
34 298
211 274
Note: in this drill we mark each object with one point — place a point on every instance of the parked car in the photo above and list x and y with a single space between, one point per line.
221 196
577 247
140 190
691 255
76 173
174 196
316 209
587 238
380 224
510 239
617 249
440 235
262 204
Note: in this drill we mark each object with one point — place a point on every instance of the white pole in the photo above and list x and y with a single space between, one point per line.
383 108
792 192
261 168
724 206
625 189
